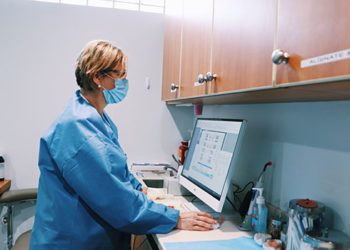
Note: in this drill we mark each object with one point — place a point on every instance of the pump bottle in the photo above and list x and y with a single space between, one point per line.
259 216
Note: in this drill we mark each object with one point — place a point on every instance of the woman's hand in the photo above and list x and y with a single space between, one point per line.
144 190
195 221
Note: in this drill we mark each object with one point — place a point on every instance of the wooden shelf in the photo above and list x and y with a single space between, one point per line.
4 185
327 91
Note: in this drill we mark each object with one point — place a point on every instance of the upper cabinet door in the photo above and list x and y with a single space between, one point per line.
314 30
172 49
196 46
243 41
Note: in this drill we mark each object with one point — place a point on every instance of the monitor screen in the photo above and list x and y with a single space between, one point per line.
211 158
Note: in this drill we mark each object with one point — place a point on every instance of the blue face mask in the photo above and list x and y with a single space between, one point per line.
117 94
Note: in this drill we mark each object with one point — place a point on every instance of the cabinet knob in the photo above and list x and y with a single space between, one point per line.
173 87
209 77
201 79
279 56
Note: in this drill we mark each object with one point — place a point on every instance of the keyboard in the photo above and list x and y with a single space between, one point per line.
177 203
160 195
187 207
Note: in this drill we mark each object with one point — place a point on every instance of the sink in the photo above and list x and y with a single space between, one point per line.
154 183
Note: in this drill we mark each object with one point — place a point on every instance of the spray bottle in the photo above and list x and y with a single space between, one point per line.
259 215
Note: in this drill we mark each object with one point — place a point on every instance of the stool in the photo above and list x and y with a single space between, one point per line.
9 199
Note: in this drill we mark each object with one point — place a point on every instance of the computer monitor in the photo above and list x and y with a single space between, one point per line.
211 159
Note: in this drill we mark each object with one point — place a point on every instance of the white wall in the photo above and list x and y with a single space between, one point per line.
39 43
309 144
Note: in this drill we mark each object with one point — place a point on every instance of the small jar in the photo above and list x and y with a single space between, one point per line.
275 229
2 168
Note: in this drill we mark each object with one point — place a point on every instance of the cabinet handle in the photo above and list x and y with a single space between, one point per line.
173 87
201 79
209 77
279 56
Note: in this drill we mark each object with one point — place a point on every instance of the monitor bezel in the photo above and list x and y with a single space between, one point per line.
209 199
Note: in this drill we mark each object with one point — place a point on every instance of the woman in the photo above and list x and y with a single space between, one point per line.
87 198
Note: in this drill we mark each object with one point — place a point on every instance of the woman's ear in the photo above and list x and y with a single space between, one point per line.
97 78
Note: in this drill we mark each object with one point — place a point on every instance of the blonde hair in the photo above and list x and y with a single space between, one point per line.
98 57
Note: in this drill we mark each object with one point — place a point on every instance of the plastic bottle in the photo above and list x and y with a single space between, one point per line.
259 217
254 217
182 152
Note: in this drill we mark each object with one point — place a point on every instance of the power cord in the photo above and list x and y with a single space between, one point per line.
170 167
194 198
239 190
233 205
176 160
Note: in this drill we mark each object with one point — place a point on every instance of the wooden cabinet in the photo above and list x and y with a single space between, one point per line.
308 29
243 40
231 38
235 39
172 49
4 186
196 46
187 47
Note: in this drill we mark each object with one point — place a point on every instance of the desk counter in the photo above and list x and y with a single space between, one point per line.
228 230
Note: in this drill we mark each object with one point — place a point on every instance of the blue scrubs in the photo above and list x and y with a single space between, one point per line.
87 198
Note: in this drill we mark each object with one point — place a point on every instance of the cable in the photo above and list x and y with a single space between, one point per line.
267 164
169 167
240 190
234 207
236 197
195 198
236 186
176 160
243 189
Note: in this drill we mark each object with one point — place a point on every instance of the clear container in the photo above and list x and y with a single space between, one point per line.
312 215
275 228
284 235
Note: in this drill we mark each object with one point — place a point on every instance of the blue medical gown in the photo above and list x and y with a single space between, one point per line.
87 198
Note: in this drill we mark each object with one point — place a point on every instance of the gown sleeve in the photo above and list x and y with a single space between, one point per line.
111 193
135 183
